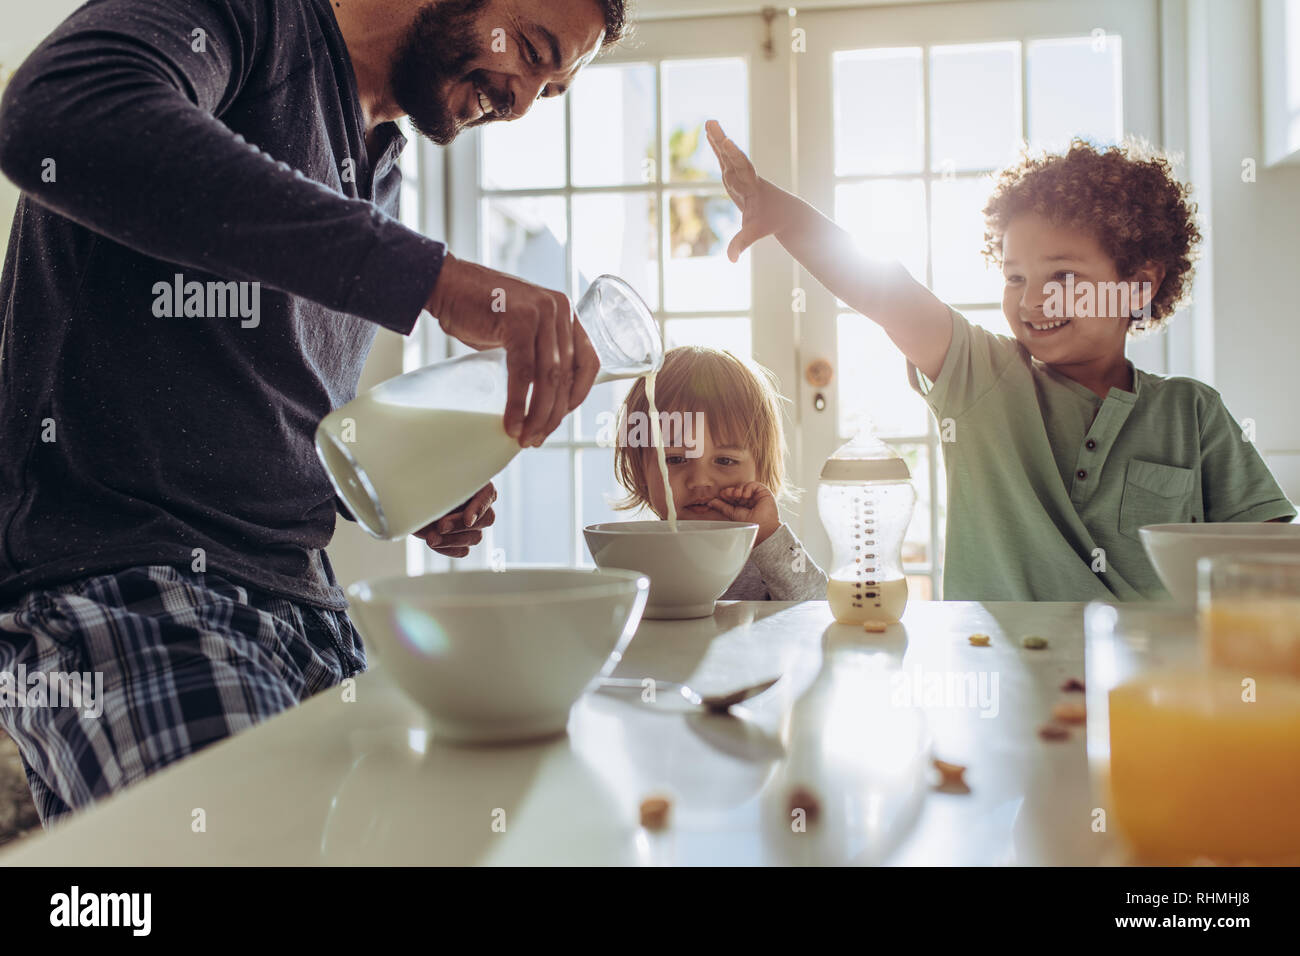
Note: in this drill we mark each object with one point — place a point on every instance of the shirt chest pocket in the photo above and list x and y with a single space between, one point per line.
1156 494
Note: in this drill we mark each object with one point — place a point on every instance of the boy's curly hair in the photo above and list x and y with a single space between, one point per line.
1126 196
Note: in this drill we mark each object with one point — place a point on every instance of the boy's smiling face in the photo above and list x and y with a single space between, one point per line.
696 481
1035 254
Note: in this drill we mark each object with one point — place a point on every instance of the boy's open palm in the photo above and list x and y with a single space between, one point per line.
752 501
746 189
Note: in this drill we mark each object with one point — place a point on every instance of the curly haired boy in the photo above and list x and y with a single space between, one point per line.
1060 449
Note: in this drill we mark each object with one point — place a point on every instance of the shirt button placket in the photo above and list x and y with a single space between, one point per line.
1082 473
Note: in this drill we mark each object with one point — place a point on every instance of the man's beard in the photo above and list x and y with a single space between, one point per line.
440 44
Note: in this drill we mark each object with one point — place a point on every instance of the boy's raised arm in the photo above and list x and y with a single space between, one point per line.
918 323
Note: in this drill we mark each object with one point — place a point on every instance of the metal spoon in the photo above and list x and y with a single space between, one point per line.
715 703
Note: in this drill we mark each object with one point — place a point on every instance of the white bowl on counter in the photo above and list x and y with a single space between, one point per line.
497 656
1174 549
689 568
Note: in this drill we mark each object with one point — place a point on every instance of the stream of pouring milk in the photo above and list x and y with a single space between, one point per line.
657 439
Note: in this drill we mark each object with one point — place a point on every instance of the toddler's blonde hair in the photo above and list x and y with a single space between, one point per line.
741 406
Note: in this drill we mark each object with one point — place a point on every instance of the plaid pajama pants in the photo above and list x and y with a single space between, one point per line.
187 659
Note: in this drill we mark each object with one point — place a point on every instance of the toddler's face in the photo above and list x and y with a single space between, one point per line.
697 480
1063 298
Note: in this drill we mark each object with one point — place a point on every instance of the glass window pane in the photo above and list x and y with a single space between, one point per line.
990 319
696 91
1075 89
916 543
886 219
600 489
733 335
879 113
525 237
525 153
920 587
698 276
597 415
617 233
528 532
974 105
613 116
961 273
872 377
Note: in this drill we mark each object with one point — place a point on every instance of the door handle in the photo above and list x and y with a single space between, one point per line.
819 373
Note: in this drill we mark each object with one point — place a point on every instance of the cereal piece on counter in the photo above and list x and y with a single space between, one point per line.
952 776
801 798
1034 642
949 771
654 812
979 640
1053 732
875 627
1072 684
1069 712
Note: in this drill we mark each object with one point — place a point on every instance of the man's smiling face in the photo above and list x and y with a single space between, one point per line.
464 63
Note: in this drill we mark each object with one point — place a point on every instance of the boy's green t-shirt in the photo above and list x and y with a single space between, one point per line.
1047 481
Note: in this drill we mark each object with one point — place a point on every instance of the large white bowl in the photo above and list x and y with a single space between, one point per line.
688 569
1174 549
496 656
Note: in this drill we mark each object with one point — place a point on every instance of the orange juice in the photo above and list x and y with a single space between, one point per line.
1196 771
1250 636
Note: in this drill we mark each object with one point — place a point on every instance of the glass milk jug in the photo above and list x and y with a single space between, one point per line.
865 498
415 447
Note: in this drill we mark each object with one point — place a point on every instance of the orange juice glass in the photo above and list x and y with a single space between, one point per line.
1250 614
1191 762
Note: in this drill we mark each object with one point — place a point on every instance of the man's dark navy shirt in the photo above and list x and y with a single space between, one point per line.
222 140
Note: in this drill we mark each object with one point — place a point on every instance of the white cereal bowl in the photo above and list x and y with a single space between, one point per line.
688 569
1174 549
499 656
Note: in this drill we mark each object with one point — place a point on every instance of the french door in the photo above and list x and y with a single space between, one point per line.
903 114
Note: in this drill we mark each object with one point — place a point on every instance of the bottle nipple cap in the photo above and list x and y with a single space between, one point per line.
865 458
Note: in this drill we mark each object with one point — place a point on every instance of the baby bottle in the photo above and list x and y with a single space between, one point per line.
414 447
865 498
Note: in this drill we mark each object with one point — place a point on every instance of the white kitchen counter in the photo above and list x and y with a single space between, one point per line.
340 782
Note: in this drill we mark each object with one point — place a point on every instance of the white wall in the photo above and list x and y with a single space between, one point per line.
1247 290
